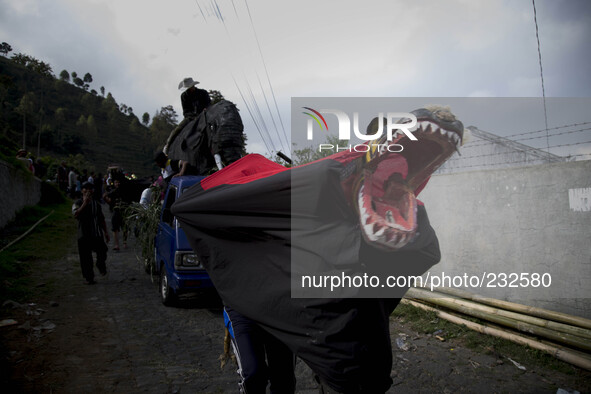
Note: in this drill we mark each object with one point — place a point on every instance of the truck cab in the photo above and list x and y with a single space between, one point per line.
179 267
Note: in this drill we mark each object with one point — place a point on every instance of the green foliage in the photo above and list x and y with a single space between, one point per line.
163 123
65 76
5 48
311 153
49 241
107 135
215 96
144 222
26 104
33 64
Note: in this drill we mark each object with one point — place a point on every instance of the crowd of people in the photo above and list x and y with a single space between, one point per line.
261 358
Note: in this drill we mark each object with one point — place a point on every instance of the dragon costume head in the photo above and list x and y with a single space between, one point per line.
384 185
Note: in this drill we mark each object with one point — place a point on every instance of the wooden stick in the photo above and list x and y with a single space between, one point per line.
26 233
561 327
530 310
558 352
467 308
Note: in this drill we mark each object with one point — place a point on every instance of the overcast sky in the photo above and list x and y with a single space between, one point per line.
140 50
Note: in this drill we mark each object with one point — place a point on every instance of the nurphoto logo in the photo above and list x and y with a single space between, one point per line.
393 130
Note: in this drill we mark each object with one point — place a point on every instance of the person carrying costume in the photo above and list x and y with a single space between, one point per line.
194 102
261 358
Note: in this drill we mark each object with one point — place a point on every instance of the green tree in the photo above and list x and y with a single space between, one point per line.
87 78
215 96
60 119
91 125
60 115
81 123
103 91
308 154
163 122
5 48
65 76
146 118
25 107
33 64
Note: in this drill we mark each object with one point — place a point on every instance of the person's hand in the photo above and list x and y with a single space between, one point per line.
87 197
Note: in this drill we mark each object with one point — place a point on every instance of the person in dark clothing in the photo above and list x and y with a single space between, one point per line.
62 177
194 102
115 199
193 99
92 233
261 358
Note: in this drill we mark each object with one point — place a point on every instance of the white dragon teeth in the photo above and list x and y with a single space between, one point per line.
426 126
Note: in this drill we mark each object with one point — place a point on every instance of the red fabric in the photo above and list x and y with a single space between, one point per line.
254 166
247 169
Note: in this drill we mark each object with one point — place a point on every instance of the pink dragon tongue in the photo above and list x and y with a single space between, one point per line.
390 167
393 164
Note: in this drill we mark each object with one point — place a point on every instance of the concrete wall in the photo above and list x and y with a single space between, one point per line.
19 190
522 220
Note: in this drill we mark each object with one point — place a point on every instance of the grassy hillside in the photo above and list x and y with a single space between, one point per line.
68 120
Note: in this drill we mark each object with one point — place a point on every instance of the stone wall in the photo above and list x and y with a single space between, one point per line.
518 221
19 189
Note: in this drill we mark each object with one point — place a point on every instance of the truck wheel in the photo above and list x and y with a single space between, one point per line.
166 294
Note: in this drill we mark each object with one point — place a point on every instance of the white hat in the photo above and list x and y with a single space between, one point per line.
187 83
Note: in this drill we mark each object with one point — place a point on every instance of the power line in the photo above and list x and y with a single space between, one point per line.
266 71
250 101
541 73
251 115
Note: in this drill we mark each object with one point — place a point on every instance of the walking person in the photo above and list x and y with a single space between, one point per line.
72 178
92 233
116 202
262 359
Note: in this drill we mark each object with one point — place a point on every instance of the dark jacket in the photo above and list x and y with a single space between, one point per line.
90 220
194 101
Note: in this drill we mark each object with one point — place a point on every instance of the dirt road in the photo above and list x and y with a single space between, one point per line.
116 336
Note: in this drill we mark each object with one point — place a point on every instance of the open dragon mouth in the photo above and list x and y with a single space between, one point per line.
386 197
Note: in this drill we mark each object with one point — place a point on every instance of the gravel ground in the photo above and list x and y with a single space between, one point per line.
116 336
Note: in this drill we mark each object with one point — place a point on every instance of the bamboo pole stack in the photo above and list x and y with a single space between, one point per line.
564 336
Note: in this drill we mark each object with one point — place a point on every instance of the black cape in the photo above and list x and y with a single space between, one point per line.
255 222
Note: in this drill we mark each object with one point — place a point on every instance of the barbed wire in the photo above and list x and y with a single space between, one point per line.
493 165
520 151
482 143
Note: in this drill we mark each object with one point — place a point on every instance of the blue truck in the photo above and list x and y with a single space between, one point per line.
179 267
